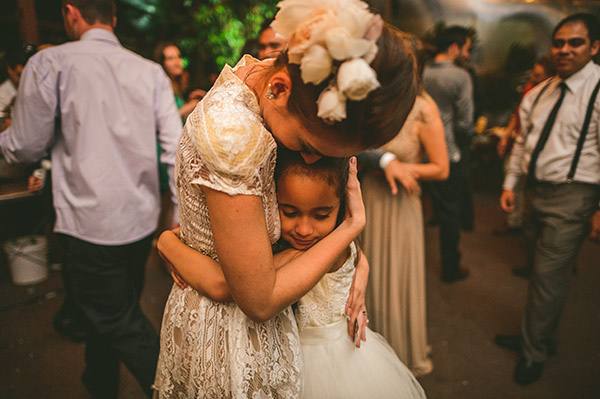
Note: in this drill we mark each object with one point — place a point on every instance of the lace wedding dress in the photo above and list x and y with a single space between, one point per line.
333 366
210 349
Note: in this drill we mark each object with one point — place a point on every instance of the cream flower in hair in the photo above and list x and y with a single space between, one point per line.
332 105
325 34
316 65
356 79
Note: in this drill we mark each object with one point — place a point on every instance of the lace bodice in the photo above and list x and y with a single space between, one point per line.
224 146
326 302
210 349
406 145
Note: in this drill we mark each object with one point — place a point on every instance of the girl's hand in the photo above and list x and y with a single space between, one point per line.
160 245
355 209
355 306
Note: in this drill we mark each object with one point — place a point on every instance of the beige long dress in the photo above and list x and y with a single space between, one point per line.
394 245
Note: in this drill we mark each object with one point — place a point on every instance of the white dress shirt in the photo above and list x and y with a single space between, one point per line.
8 91
554 162
98 109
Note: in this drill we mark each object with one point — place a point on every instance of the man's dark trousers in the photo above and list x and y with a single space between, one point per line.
106 283
446 196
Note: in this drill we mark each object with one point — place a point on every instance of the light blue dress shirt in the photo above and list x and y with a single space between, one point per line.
97 109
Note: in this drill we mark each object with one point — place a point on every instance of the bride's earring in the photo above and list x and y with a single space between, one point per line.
270 94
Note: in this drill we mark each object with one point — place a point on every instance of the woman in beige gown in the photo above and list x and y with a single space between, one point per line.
393 235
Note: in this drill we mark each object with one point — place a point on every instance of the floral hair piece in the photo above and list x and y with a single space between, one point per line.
328 37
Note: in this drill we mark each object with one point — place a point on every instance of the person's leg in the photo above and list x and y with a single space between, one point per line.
106 284
446 195
563 212
467 212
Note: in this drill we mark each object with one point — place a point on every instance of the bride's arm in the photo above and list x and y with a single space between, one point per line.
242 243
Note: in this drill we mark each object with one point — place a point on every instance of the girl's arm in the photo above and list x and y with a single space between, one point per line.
355 306
190 267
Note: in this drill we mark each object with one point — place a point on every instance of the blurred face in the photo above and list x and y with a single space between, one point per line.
571 48
308 208
173 62
14 74
538 74
269 44
465 51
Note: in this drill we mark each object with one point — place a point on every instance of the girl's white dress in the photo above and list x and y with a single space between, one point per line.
333 366
210 349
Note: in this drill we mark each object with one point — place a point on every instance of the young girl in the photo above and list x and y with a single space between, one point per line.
310 199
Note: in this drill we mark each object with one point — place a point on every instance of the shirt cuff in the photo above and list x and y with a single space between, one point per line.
510 182
385 160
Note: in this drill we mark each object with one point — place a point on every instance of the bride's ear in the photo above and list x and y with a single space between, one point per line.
279 88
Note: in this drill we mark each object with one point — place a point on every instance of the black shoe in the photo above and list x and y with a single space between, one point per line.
513 343
522 271
527 371
462 274
72 328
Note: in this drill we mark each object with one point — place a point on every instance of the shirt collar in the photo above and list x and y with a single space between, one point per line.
103 35
576 81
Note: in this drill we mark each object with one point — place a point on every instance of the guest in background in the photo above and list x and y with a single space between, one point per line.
451 88
560 157
96 108
393 236
169 56
541 71
270 44
15 62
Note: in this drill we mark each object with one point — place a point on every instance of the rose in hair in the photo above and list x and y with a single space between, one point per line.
316 64
332 105
356 79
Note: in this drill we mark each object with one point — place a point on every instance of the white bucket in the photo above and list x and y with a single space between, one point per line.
27 259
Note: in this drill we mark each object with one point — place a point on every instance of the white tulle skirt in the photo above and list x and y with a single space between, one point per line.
335 368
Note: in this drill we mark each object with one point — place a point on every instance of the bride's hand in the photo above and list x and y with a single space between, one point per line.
355 209
355 306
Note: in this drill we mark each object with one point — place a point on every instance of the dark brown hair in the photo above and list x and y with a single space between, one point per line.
333 171
375 120
94 11
180 83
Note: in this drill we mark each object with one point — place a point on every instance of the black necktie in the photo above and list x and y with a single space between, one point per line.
545 134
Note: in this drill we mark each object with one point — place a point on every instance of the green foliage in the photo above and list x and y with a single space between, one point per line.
210 32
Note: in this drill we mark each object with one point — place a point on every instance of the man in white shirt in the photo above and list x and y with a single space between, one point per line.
98 109
560 155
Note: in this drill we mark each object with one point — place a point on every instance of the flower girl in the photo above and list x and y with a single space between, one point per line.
311 202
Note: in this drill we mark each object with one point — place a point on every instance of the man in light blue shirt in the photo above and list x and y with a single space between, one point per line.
98 110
